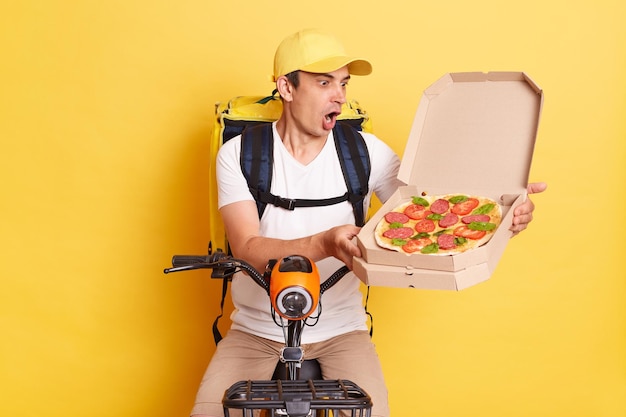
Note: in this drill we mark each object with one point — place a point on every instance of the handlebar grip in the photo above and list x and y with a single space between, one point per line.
182 260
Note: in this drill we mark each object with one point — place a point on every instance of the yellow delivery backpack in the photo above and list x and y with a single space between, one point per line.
239 113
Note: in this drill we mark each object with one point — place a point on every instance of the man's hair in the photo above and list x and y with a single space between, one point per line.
294 78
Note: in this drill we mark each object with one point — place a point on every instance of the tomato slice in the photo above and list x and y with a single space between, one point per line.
468 233
465 207
415 245
425 225
416 211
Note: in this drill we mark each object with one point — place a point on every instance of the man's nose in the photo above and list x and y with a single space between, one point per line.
340 95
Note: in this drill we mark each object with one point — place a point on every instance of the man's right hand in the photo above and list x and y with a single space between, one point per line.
339 243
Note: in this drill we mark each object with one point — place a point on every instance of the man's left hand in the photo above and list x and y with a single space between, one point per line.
523 214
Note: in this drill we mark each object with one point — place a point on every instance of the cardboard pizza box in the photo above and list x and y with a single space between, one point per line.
474 134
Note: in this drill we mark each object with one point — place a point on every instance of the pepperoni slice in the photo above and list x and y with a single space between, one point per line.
440 206
446 241
465 207
395 217
425 226
476 218
414 245
468 233
398 233
448 220
416 211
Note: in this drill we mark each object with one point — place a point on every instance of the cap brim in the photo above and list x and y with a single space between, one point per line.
356 66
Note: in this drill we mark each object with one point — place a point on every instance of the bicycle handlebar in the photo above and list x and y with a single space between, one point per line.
223 266
182 260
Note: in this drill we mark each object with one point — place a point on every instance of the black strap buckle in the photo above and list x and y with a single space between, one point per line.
286 203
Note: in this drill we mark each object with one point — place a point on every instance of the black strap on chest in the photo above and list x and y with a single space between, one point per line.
257 150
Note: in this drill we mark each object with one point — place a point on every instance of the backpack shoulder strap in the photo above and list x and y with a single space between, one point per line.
257 157
355 164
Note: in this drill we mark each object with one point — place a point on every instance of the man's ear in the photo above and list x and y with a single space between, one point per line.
285 88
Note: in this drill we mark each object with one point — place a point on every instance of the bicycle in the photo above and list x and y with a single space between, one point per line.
293 285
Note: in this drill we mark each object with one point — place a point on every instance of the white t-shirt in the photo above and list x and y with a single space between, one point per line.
342 305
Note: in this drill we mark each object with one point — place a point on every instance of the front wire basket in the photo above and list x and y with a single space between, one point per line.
297 398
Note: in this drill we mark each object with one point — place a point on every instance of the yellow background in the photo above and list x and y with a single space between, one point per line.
105 115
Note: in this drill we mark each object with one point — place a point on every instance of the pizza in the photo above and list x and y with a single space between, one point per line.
439 225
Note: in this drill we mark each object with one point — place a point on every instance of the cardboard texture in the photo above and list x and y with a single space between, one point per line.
474 134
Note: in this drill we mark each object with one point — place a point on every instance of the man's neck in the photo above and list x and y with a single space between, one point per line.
303 146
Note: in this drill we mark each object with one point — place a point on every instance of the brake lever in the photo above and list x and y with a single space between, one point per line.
184 268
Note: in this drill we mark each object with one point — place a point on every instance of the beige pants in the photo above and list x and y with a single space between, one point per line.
241 356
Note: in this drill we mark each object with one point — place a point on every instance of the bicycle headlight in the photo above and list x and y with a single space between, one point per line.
294 287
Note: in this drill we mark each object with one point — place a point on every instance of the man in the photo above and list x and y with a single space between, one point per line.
311 72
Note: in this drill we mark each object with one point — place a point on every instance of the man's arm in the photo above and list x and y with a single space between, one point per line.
242 228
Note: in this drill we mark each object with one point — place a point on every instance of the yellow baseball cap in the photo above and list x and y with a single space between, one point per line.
312 50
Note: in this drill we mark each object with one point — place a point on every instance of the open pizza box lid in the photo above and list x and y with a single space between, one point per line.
473 134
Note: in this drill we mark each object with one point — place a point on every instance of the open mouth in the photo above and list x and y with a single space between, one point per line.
329 120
